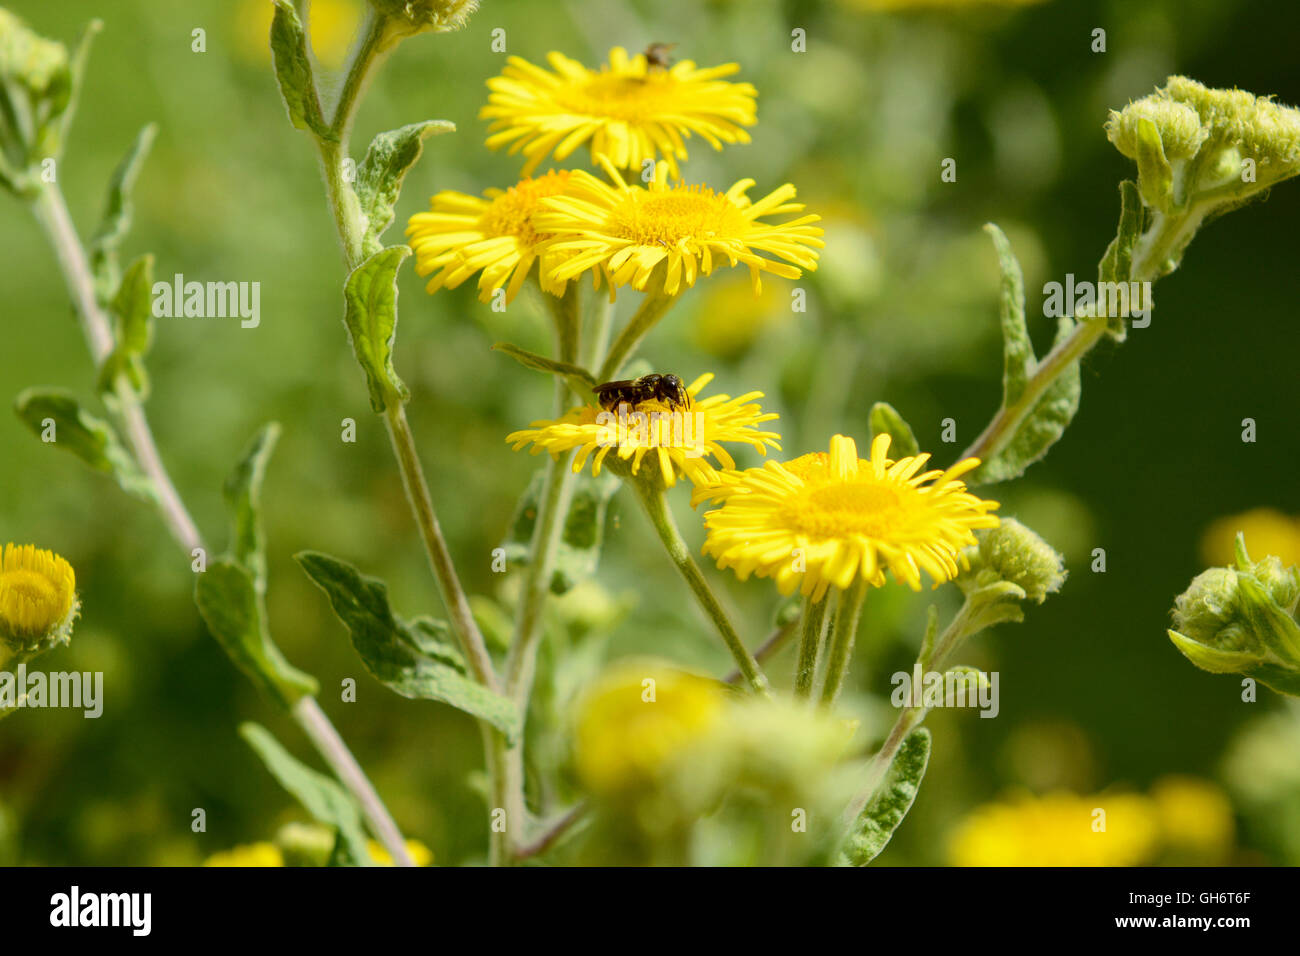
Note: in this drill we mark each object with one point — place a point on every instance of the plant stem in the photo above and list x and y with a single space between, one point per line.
364 59
656 509
653 308
318 728
814 617
552 833
774 642
52 213
848 608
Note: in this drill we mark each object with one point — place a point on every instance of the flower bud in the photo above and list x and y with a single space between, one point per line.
1014 554
38 599
1240 621
35 92
406 18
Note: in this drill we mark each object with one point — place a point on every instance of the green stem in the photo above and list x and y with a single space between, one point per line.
656 509
848 609
814 617
365 57
654 307
599 338
52 213
773 643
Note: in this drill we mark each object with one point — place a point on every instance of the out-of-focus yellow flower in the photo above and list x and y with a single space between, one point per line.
638 718
1058 830
420 854
1195 817
826 520
678 439
38 596
730 317
251 854
627 112
1267 530
331 25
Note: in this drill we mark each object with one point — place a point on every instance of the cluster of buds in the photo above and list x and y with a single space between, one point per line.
1211 148
1242 621
406 18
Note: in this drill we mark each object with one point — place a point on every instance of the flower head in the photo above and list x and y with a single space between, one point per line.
678 438
38 596
495 236
627 112
825 520
665 236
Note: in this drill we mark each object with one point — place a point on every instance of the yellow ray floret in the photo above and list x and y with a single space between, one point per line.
38 592
628 111
679 440
494 236
824 520
663 237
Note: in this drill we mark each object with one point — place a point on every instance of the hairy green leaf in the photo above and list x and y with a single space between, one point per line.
231 606
885 419
117 217
579 379
889 806
371 318
243 493
294 73
409 659
1040 428
133 308
325 800
1017 351
1117 264
58 417
379 177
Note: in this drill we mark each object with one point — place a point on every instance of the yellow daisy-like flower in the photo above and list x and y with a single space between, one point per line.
629 232
679 439
38 594
421 855
825 520
495 235
627 112
1059 829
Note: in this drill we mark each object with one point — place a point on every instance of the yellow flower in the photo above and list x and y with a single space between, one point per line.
420 854
636 720
38 594
252 854
1195 816
1267 530
673 233
627 112
463 234
331 25
825 520
1059 829
678 438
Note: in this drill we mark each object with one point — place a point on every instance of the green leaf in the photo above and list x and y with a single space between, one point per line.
1155 175
1117 264
1040 428
321 796
397 654
885 419
577 553
294 73
371 318
1017 351
133 307
67 108
379 177
893 799
579 379
89 438
232 608
243 493
117 216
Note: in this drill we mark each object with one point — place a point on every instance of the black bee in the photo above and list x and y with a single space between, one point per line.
656 55
668 389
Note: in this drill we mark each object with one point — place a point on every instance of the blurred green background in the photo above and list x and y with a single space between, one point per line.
902 309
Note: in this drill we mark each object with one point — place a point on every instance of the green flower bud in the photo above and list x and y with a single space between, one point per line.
406 18
1013 554
36 85
305 844
1241 621
1179 126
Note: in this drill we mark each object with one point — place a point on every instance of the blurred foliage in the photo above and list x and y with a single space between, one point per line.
903 309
